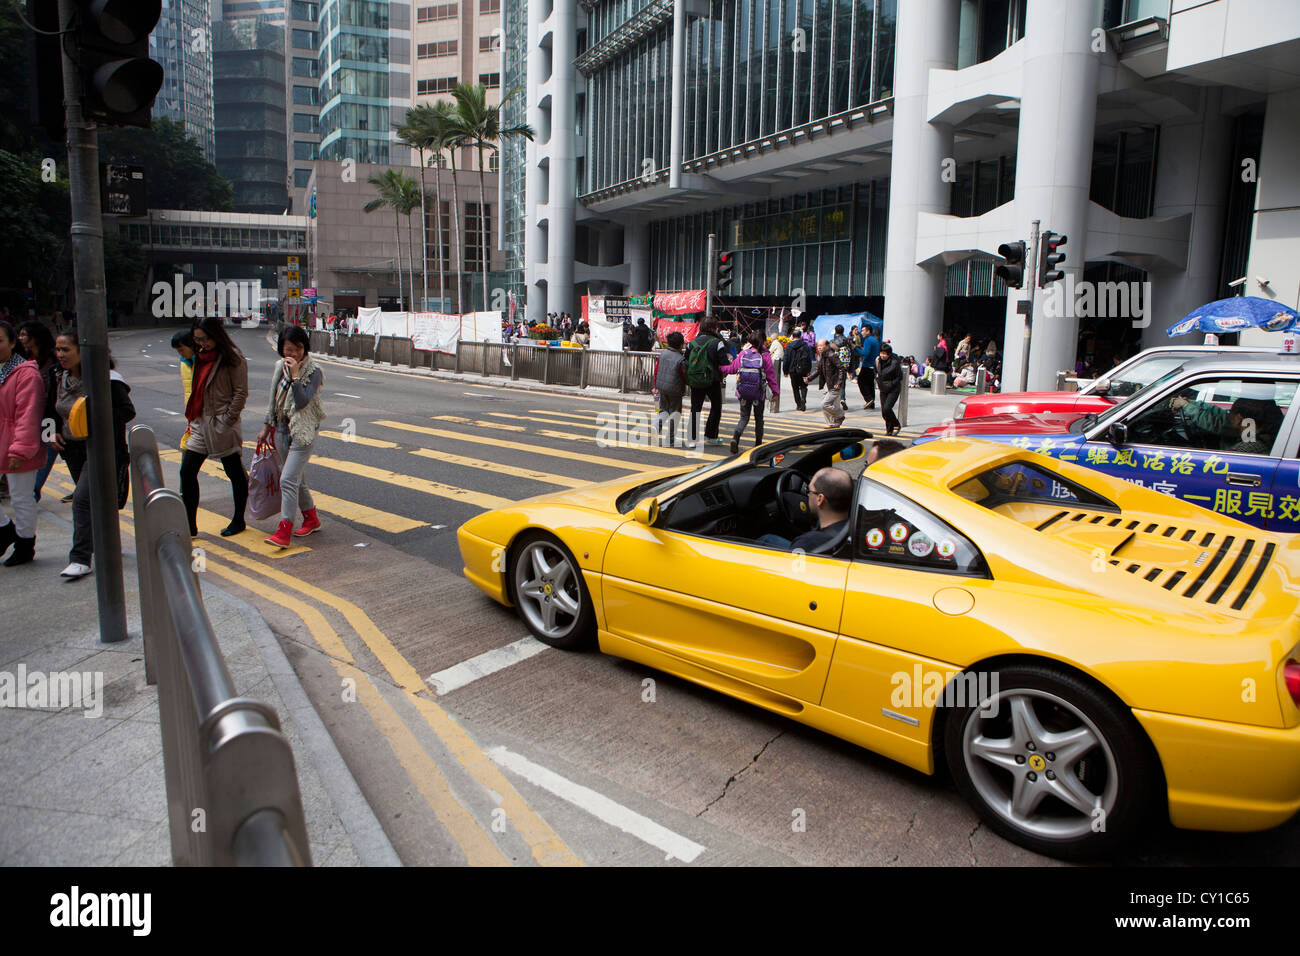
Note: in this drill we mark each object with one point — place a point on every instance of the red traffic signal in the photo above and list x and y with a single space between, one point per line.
726 265
1049 259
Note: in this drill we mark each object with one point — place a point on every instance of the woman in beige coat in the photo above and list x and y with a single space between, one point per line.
216 403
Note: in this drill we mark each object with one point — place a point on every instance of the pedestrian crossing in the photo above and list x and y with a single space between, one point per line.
482 463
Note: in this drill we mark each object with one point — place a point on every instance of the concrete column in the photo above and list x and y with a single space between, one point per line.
534 235
563 152
926 39
1277 213
1058 110
677 133
636 252
1192 171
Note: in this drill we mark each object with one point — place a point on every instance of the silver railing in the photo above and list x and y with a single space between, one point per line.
551 365
232 789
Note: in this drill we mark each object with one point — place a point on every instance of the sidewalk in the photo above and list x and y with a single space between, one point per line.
924 408
87 789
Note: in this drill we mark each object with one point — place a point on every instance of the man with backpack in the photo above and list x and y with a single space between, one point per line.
754 366
798 364
707 354
670 384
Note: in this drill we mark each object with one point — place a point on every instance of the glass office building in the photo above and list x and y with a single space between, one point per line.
180 42
875 154
249 110
364 84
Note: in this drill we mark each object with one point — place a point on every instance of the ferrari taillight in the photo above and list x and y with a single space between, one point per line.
1291 673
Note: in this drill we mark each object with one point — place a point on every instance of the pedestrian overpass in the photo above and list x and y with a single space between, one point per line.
219 238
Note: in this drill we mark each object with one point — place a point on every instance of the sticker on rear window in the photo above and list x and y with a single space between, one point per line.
875 538
920 545
898 531
946 548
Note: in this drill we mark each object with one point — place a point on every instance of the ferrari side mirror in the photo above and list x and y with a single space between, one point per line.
647 512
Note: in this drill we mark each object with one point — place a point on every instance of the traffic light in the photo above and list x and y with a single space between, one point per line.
1012 270
1049 259
118 80
726 263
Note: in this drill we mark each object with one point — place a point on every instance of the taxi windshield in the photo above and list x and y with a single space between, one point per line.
1114 412
1125 383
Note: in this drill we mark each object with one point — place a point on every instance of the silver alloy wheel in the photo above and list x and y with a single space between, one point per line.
547 589
1022 763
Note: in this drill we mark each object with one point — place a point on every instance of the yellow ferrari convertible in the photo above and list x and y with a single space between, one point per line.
1079 652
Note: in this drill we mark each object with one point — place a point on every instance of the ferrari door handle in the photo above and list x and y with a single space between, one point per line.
1239 478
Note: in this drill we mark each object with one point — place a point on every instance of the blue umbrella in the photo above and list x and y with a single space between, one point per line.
1239 312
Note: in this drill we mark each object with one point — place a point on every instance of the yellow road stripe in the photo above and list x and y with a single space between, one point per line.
545 844
492 466
477 423
629 466
674 452
339 507
359 440
477 498
477 846
769 423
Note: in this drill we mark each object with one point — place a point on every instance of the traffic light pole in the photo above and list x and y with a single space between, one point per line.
710 274
1031 277
92 330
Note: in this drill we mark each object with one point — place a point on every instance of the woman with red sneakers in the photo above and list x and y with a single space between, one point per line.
293 418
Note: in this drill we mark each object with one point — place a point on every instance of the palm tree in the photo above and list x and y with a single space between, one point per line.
388 185
440 130
479 125
409 198
452 139
416 133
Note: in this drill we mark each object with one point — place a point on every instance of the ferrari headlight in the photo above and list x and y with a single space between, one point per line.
960 410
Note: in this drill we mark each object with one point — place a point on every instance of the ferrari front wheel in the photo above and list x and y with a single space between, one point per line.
550 593
1051 763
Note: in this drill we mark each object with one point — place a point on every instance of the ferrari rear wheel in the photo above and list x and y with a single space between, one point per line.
1052 764
550 593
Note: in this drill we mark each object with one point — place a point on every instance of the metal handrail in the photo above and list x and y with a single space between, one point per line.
232 788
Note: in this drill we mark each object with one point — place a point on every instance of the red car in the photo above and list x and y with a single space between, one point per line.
1101 393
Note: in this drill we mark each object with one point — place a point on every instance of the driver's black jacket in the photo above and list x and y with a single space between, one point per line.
817 537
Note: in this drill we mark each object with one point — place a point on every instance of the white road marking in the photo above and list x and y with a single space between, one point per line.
600 806
359 378
165 411
499 658
346 395
477 395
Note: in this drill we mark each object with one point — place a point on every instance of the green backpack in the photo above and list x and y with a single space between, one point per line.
700 370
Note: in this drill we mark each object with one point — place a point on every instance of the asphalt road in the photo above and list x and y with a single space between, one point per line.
555 757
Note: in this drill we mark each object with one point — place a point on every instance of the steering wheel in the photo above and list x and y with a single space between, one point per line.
792 499
1180 426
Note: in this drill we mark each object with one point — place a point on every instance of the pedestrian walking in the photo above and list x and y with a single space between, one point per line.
777 351
867 369
213 411
798 365
183 343
670 384
707 354
38 345
889 373
70 393
293 418
22 402
754 366
68 387
831 375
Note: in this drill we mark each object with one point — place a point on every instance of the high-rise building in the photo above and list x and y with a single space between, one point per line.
365 79
182 44
250 115
302 125
873 154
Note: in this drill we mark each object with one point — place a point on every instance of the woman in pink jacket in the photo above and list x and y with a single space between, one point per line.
22 400
754 364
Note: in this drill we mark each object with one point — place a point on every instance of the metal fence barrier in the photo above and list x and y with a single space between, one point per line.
551 365
232 788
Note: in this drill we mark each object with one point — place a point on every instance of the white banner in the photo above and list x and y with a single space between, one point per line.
435 332
367 321
395 324
605 335
481 327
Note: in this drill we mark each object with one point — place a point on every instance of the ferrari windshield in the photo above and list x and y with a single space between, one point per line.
656 489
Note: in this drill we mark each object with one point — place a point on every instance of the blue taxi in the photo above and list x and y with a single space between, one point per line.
1218 432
